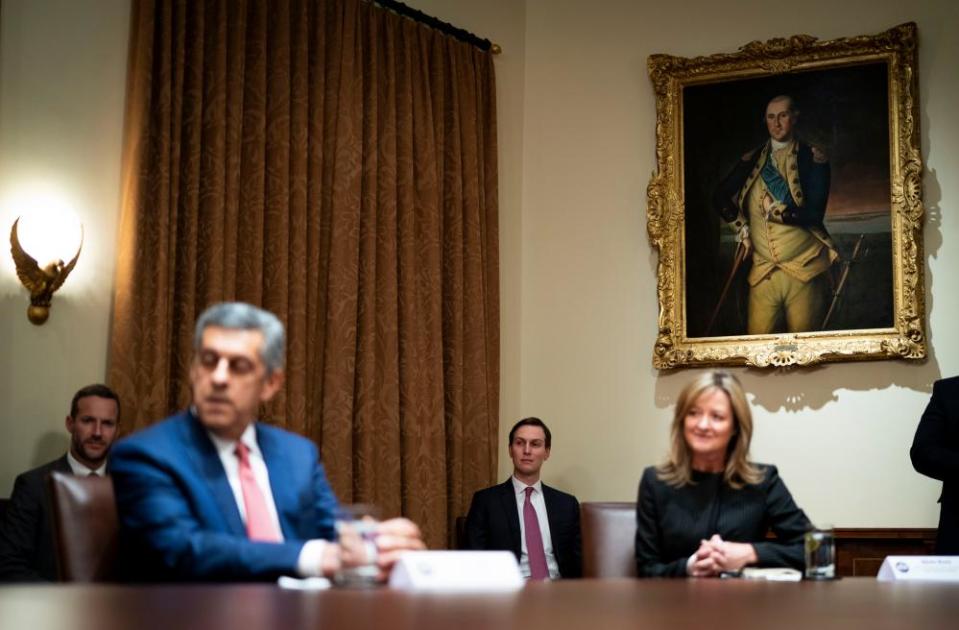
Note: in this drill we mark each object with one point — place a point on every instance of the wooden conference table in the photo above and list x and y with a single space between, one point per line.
589 604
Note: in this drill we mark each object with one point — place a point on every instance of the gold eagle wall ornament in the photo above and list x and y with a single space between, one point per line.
40 281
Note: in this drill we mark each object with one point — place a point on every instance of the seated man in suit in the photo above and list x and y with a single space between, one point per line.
27 551
212 494
523 515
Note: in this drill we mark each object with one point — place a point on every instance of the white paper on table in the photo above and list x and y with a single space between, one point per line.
456 571
772 574
919 569
303 584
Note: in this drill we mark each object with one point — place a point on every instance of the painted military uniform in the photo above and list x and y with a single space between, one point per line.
780 192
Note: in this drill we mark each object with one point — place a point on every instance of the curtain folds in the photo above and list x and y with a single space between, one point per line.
336 164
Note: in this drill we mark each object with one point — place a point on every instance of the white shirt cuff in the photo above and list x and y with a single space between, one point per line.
309 564
689 563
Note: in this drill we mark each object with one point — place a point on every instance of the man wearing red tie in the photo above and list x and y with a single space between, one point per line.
536 522
212 494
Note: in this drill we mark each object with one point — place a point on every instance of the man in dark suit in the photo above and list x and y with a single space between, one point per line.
212 494
27 552
935 453
523 515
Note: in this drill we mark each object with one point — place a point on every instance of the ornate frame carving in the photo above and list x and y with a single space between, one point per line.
666 213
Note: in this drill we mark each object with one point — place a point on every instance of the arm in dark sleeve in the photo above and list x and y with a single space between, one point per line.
158 522
576 553
724 197
934 453
787 521
18 534
324 502
477 524
815 196
649 531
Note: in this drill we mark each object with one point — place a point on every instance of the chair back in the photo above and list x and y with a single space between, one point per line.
609 539
85 527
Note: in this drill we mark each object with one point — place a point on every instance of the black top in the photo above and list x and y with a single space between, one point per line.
814 177
935 453
671 522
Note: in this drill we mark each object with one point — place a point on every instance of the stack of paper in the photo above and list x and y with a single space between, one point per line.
772 575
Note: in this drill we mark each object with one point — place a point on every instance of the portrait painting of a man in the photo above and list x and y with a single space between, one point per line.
786 204
787 224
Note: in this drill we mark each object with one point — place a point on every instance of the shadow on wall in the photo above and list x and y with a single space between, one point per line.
797 389
50 446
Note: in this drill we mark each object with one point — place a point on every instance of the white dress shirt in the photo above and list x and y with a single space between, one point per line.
82 470
536 498
308 562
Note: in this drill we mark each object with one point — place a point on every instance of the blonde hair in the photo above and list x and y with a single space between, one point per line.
677 470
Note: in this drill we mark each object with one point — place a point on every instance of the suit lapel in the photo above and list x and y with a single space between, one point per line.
508 501
753 175
198 446
62 465
549 498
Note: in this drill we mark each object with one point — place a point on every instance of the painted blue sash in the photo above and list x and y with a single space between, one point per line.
775 183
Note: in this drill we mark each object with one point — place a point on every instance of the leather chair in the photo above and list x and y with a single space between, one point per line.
609 539
85 527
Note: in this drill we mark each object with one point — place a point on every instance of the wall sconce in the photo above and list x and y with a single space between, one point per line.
48 244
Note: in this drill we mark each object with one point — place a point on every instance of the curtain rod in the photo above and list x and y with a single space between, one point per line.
444 27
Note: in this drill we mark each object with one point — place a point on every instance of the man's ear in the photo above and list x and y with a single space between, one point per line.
68 423
547 455
273 384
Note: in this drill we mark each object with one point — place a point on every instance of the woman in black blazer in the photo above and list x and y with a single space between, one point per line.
706 511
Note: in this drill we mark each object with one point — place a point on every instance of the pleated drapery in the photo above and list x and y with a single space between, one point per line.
335 164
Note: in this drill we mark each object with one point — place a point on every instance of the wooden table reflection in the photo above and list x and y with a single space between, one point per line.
582 604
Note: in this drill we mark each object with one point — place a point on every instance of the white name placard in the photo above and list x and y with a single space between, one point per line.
456 571
919 569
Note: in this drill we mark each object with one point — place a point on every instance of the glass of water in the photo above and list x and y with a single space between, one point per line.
820 554
356 535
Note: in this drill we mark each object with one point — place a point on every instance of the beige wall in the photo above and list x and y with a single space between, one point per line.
62 73
839 433
578 276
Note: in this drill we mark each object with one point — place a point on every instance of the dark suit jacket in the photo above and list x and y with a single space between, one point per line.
178 516
493 524
935 453
671 521
814 179
27 551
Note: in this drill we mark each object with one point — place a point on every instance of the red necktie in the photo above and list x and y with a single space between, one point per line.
534 541
259 525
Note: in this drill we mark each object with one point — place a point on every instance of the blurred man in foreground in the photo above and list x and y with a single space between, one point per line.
212 494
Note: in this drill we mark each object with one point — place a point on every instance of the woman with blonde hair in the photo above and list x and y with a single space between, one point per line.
707 509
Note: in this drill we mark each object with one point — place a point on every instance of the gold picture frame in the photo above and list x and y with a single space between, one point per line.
854 97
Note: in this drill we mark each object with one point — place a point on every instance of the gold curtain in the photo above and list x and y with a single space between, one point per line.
336 164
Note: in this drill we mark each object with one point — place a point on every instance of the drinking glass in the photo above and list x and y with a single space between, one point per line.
356 534
820 554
